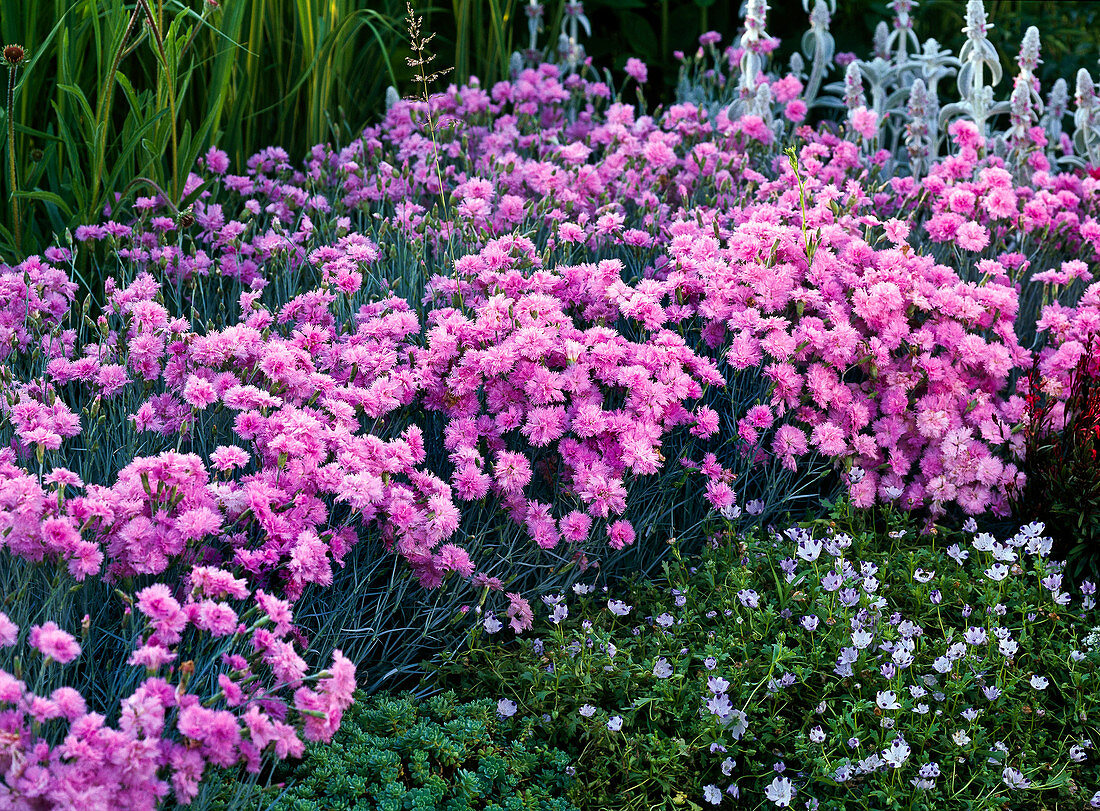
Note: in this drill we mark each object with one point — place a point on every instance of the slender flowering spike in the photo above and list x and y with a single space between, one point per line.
1056 109
902 37
819 47
1086 118
534 10
881 41
919 135
1028 58
853 88
797 65
1023 116
976 55
1025 103
752 62
977 30
936 64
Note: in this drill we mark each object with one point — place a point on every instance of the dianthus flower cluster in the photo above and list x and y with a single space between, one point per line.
262 388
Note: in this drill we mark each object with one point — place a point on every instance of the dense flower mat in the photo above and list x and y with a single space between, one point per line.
528 301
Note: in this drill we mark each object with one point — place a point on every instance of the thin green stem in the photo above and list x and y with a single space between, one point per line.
11 162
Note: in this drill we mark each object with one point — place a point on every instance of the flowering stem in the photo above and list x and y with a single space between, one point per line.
11 162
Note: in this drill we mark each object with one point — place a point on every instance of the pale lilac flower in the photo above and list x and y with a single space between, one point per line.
492 624
587 710
710 663
810 622
716 684
1039 682
618 607
720 705
809 549
897 753
862 639
1014 778
728 766
817 735
662 669
887 700
984 542
957 553
712 795
748 598
975 635
780 791
616 723
737 723
1033 530
506 708
1077 754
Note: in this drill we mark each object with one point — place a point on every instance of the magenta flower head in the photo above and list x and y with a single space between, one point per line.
9 631
53 643
637 69
519 613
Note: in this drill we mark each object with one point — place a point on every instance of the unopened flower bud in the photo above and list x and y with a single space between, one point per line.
14 55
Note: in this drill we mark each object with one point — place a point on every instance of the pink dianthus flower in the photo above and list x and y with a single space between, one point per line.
971 236
53 643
